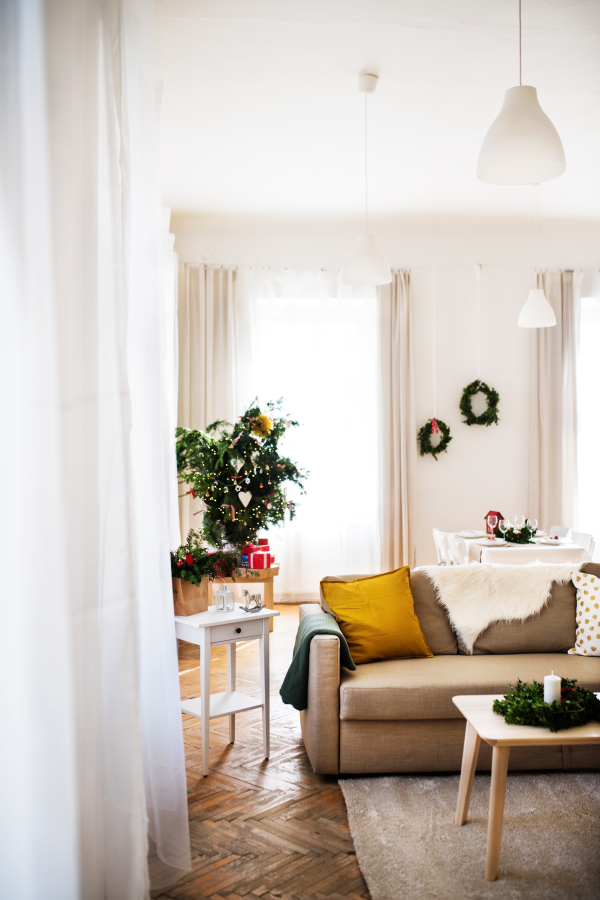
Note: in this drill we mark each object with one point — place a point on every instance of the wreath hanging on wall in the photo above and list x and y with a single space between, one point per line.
434 426
490 416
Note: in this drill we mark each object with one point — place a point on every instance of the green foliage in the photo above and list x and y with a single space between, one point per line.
192 561
524 705
424 438
490 416
228 460
520 537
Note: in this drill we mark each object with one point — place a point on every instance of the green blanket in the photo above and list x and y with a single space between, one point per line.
294 689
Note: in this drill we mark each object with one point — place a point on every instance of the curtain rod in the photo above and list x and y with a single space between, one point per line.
394 269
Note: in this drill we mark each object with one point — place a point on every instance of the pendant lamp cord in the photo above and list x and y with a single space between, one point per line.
520 68
433 368
535 234
478 321
366 174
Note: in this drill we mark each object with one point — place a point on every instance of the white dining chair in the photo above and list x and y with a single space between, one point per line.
457 550
584 540
559 531
443 555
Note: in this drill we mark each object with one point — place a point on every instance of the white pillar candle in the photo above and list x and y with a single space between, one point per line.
552 684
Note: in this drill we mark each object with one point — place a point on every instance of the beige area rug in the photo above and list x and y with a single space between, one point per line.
409 848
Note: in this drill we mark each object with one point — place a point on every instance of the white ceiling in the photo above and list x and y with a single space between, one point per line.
260 114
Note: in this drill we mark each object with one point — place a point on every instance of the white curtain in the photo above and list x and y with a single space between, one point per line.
214 343
92 750
314 342
170 364
398 441
553 419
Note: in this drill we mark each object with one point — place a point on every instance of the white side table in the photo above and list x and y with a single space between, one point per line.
209 629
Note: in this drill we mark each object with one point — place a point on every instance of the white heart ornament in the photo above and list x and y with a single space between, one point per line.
245 497
237 463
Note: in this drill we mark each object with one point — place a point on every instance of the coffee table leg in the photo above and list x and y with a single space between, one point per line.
496 815
467 773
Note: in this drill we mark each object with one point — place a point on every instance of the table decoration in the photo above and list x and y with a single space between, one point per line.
490 415
514 536
524 705
224 600
193 566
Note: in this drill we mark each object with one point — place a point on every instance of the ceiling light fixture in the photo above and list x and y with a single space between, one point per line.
522 145
367 265
537 312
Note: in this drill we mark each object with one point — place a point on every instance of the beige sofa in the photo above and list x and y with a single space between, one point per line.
398 716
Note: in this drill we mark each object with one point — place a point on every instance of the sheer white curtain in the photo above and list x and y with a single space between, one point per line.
214 347
553 419
315 344
92 748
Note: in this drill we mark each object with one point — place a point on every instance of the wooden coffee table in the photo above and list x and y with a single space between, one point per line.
484 724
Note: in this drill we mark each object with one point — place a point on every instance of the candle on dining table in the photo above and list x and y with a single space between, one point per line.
552 685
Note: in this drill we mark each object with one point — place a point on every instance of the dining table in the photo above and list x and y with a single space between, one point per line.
481 550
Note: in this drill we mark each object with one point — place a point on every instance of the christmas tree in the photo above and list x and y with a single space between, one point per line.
238 474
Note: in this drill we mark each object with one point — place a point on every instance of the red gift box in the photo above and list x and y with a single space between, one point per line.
247 552
263 542
260 560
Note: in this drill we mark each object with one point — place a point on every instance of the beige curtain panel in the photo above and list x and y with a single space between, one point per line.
209 357
553 423
398 460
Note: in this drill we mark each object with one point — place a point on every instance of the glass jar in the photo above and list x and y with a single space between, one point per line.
224 600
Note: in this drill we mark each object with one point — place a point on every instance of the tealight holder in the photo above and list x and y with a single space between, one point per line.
224 600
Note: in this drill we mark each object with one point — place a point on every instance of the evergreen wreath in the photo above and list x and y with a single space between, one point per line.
490 416
524 705
434 426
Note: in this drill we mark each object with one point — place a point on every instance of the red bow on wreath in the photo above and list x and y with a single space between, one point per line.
434 426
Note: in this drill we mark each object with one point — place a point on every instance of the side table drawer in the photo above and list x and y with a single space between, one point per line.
237 631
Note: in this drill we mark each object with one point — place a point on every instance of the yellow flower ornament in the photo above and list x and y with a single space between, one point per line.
261 426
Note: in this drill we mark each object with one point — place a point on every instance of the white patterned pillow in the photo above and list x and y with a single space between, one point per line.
587 638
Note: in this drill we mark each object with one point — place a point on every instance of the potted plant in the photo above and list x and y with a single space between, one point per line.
239 474
192 567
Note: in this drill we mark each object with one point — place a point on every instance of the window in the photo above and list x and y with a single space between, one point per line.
321 355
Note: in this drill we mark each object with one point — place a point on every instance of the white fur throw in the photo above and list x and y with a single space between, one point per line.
474 596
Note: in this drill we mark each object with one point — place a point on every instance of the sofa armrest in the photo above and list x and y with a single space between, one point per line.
309 609
320 721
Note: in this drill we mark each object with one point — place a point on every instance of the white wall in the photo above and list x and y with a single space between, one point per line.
484 468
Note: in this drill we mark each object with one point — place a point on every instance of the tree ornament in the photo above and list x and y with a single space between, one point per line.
434 426
490 415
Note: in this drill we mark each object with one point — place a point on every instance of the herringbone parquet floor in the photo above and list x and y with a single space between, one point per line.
261 828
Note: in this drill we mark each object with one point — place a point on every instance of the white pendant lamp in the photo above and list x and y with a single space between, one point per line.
522 145
537 312
367 265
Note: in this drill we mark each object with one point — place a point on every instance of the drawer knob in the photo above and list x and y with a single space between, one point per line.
238 630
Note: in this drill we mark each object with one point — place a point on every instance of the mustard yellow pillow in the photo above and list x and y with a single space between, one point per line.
377 616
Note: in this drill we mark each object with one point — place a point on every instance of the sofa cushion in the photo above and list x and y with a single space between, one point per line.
550 631
438 632
377 616
424 688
